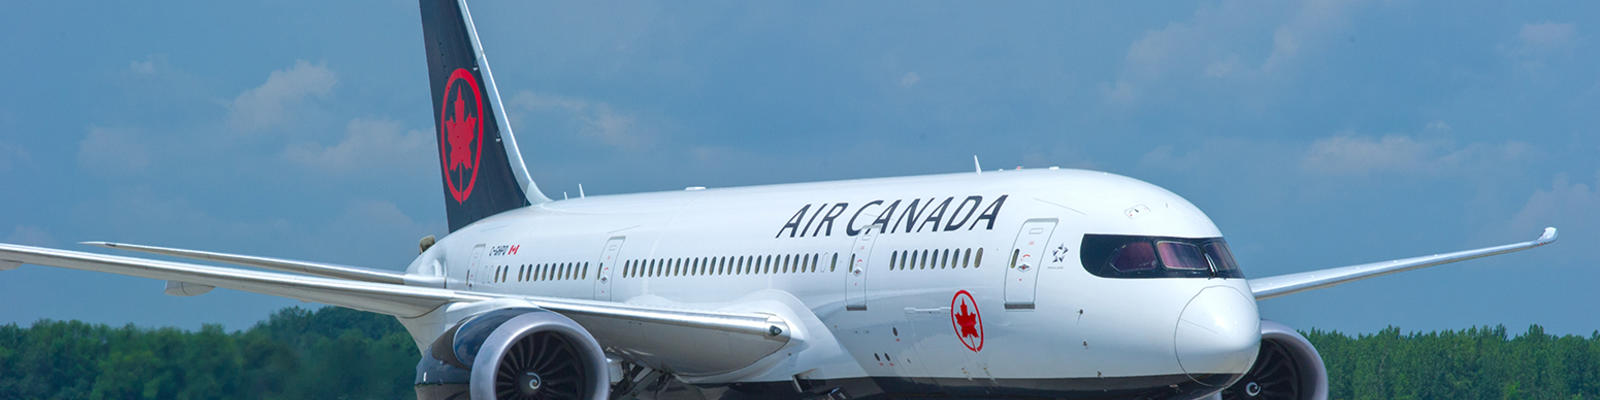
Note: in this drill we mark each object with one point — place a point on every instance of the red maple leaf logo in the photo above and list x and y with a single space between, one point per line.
461 134
968 322
460 130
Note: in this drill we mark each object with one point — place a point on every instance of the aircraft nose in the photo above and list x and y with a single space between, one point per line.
1218 335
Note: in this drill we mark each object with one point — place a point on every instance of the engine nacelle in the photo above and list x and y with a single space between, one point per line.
1287 368
514 353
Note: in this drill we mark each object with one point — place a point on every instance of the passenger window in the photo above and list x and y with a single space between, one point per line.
944 259
1014 254
977 261
893 256
966 258
835 264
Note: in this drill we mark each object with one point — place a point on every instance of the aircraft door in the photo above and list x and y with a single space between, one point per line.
1022 268
608 263
473 266
856 277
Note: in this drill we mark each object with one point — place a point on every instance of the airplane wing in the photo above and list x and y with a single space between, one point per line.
301 267
397 300
1282 285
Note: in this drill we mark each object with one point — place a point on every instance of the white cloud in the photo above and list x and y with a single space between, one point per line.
374 213
30 235
109 151
1547 37
910 79
596 120
385 231
367 145
1216 43
1575 206
147 66
1536 45
1214 154
1349 154
267 105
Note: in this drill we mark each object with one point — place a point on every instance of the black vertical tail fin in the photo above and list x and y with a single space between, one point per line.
480 165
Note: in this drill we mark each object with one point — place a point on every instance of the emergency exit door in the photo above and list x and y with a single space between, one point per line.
1027 254
608 265
856 276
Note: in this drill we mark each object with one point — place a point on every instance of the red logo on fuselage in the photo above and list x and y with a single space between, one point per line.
461 133
966 320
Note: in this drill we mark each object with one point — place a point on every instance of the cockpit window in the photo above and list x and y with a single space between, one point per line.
1180 255
1134 257
1125 256
1221 257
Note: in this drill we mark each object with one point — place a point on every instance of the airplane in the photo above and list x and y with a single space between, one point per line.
1037 283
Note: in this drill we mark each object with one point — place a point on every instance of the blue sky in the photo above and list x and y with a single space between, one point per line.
1314 134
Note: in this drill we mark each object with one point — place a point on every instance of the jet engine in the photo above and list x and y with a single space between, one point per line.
514 354
1287 368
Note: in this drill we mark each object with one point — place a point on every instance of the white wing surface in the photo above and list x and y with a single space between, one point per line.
397 300
278 264
1281 285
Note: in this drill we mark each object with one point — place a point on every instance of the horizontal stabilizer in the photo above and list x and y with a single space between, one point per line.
276 264
1274 286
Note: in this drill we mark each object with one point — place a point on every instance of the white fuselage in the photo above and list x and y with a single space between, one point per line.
897 317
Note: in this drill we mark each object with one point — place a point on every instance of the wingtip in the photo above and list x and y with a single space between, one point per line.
1549 235
108 245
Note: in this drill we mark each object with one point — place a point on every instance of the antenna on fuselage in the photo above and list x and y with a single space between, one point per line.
976 165
580 191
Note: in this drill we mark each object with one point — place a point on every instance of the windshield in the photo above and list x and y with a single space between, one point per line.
1125 256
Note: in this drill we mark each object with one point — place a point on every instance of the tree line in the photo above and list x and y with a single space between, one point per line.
337 353
330 353
1474 363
